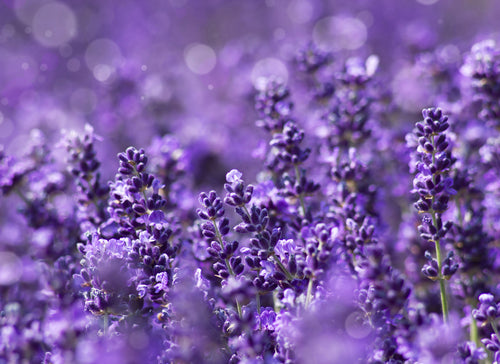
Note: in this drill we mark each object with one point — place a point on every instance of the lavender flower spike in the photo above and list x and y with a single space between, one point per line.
434 188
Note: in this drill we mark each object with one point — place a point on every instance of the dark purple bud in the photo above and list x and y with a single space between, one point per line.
250 262
85 275
211 211
125 170
214 253
428 147
139 208
147 260
212 195
441 147
137 182
201 214
429 184
163 259
208 234
234 245
123 158
492 312
228 188
140 167
292 265
440 140
443 126
422 205
430 272
130 153
238 269
279 276
241 228
218 266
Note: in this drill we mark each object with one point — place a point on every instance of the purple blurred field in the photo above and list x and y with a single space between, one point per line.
249 181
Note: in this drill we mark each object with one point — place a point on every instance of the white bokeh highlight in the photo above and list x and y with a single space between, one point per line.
427 2
154 88
335 33
200 58
103 57
11 268
355 328
54 24
268 68
300 11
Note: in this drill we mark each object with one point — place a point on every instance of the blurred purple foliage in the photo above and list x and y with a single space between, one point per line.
266 181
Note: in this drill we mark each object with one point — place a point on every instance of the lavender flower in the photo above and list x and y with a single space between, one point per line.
434 189
482 67
307 249
84 167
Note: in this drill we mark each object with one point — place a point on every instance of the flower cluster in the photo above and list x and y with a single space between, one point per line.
261 202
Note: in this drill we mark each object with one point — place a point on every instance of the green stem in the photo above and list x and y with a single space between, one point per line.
238 308
474 337
19 193
231 272
301 196
246 211
493 326
442 286
474 332
444 300
282 267
218 235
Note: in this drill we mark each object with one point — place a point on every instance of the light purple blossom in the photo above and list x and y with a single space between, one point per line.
234 176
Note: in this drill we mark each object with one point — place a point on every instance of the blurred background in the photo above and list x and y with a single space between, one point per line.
136 69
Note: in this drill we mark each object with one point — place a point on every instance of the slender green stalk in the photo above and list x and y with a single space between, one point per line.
474 337
246 210
218 235
493 326
301 196
442 285
20 194
231 272
474 332
282 267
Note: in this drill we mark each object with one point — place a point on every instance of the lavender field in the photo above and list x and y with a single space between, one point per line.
249 181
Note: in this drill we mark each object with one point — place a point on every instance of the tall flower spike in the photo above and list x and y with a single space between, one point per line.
286 155
84 166
434 188
482 67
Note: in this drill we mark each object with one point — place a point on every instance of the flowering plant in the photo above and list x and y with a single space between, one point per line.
335 202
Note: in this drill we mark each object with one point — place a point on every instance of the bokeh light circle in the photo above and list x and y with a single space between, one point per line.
54 25
268 67
200 58
103 57
336 33
11 268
